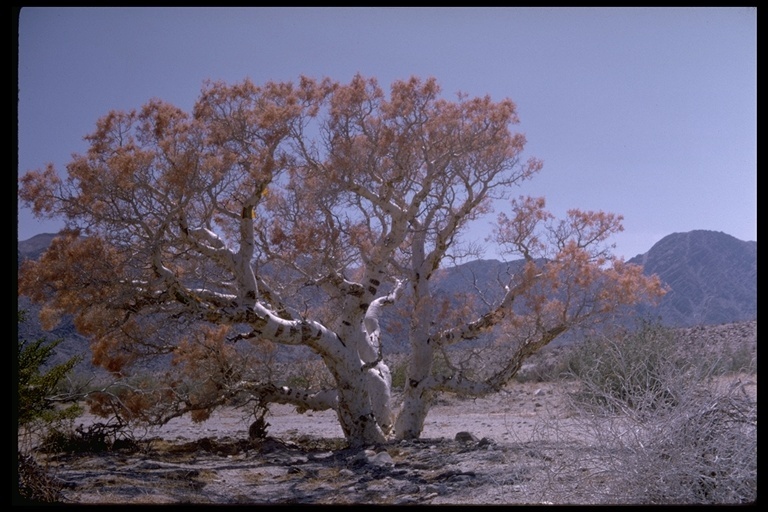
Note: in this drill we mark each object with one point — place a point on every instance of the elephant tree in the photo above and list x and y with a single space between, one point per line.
292 214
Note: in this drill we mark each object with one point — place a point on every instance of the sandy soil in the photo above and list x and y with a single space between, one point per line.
512 414
304 459
517 437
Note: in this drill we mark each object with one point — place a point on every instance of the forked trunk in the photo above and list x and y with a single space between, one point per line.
356 416
362 394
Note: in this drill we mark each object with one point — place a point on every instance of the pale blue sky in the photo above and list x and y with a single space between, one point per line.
646 112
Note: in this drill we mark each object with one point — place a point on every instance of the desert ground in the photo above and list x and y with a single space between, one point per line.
510 448
303 459
528 444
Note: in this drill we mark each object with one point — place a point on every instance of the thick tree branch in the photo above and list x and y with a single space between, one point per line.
490 319
458 383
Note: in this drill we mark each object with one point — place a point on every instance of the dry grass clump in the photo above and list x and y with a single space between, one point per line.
659 426
35 484
94 438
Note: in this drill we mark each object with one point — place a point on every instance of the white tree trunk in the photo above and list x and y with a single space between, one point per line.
357 396
417 395
379 383
410 419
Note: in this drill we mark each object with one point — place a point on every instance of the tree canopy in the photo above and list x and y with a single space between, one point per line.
291 214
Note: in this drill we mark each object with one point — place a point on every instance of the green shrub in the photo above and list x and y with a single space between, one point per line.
630 370
35 386
37 412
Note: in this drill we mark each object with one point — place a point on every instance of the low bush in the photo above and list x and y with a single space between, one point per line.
631 370
39 412
652 425
95 438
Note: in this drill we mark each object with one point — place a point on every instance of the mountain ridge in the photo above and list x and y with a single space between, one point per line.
712 278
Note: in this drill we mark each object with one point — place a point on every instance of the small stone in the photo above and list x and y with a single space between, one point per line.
410 489
465 437
381 459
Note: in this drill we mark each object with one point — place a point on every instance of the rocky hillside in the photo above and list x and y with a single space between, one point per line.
712 278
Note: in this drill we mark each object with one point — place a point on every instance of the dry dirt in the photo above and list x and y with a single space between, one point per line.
304 458
507 459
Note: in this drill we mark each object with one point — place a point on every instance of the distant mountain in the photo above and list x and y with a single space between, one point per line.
712 278
34 247
72 344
